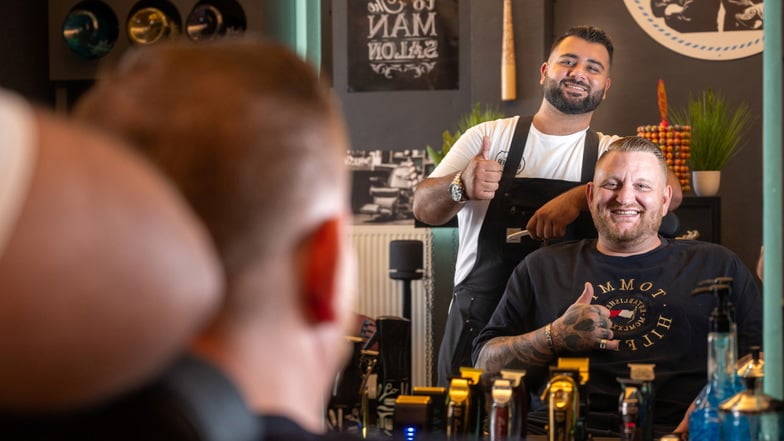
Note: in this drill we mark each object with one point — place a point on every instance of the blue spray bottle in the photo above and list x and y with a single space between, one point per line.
722 355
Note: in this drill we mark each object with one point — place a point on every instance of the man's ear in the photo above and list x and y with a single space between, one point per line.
606 88
322 262
542 72
666 199
589 193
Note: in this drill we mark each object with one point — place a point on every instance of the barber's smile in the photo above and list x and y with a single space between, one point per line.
575 88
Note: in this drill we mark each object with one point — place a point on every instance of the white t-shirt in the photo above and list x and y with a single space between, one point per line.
545 156
17 159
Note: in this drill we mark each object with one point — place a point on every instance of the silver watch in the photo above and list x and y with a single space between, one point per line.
457 190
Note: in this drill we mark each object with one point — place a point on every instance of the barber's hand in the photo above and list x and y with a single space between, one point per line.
584 326
551 219
482 175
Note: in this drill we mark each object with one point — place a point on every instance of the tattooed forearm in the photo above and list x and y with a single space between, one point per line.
526 350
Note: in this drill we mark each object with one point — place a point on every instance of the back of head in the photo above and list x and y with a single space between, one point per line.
243 127
105 272
256 144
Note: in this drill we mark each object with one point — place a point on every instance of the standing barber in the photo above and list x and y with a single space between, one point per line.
519 173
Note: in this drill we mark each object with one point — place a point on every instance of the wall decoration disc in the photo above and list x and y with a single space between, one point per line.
705 29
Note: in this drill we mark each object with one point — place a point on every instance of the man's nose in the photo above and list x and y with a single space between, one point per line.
577 72
625 195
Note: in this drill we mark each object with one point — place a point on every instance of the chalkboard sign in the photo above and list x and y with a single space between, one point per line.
402 45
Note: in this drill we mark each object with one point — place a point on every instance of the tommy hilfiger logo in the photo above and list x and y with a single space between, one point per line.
638 312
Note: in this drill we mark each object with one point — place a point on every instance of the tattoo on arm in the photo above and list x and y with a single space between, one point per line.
577 326
525 350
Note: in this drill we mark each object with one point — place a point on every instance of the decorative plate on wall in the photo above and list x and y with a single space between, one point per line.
705 29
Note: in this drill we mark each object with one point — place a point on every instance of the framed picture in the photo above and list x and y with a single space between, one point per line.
402 45
383 183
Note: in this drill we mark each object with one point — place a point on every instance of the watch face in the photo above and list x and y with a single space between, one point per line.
456 192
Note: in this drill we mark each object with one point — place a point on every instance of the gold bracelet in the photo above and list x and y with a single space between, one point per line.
548 337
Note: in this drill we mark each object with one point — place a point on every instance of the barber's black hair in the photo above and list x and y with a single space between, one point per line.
587 33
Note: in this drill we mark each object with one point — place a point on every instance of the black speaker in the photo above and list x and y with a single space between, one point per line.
405 263
405 259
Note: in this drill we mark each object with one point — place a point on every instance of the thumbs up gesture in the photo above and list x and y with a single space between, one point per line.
482 174
584 327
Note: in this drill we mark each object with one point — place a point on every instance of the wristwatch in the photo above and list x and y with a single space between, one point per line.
457 190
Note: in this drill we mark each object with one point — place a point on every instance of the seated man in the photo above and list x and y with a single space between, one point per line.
256 143
105 273
621 298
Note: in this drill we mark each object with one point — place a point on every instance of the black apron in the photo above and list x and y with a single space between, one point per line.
516 200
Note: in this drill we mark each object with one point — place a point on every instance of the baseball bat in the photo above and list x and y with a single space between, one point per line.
508 68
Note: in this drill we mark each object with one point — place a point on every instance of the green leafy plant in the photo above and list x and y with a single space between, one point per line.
717 129
477 115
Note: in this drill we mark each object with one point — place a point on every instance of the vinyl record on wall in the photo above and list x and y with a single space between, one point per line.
705 29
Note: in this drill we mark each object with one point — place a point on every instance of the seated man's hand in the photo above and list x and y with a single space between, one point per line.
551 219
584 327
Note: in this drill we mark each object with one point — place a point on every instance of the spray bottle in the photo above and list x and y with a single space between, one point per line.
722 356
751 415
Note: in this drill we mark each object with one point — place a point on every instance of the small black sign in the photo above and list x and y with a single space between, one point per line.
402 45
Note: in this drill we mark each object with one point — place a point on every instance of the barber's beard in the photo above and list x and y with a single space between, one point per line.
646 227
555 93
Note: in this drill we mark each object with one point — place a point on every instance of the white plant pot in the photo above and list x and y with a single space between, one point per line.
706 183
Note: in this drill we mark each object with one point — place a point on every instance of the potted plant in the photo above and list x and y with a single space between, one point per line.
475 116
717 134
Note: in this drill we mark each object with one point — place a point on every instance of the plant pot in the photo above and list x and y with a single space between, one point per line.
706 183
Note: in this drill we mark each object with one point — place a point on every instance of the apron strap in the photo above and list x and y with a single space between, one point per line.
590 155
515 151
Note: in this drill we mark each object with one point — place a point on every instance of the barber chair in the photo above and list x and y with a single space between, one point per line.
670 226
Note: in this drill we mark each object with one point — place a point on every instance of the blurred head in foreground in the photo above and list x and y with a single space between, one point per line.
256 144
105 273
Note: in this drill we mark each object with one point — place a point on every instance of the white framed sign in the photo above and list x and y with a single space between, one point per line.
705 29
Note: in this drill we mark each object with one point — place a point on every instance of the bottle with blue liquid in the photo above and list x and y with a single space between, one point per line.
751 415
722 356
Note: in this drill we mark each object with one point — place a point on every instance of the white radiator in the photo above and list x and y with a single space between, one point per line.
379 295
